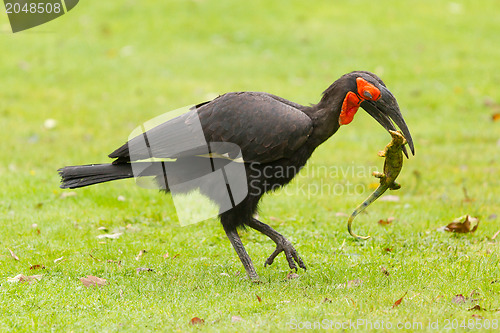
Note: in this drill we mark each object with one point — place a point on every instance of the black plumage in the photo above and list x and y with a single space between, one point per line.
273 134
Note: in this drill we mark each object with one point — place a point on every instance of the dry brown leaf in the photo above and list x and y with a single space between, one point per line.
140 254
93 281
258 298
495 116
23 278
165 256
144 269
476 307
292 275
37 267
119 262
12 254
384 271
398 302
197 321
387 221
463 224
96 259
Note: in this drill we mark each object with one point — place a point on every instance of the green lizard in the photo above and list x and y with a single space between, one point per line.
392 166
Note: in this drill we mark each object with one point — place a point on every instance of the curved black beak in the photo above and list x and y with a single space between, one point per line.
386 111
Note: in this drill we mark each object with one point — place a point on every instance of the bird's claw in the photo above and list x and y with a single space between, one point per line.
290 253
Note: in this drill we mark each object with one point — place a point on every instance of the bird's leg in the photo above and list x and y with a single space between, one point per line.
282 245
235 240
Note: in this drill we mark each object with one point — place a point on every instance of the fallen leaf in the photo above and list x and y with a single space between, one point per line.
175 256
459 299
387 221
384 271
68 194
12 254
476 316
495 235
258 298
144 269
398 302
37 267
272 218
388 249
22 278
495 116
390 198
197 321
110 236
341 214
58 259
93 281
464 226
327 300
140 254
119 262
236 319
476 307
292 275
50 123
94 258
350 284
165 256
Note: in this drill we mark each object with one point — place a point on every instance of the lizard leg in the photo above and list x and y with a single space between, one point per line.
395 186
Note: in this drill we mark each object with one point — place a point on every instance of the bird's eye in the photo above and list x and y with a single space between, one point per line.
367 90
367 94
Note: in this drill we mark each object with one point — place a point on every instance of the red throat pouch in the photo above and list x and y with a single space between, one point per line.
349 108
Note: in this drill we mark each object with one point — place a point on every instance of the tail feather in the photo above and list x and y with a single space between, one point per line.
85 175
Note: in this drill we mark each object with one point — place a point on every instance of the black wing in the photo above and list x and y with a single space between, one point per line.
265 127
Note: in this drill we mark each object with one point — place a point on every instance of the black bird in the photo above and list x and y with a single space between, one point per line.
273 135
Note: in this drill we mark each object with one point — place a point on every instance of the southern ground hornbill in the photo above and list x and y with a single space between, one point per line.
271 132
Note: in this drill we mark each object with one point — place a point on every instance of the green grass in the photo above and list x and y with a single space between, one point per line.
106 67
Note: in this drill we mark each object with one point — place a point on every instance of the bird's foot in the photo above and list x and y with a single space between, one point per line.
283 245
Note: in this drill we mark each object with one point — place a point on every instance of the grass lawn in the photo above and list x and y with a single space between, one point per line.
105 67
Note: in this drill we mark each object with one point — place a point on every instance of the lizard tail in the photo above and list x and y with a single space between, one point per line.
374 196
